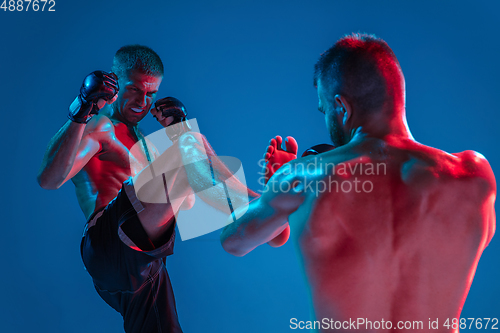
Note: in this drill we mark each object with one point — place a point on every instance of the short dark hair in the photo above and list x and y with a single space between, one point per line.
137 57
362 67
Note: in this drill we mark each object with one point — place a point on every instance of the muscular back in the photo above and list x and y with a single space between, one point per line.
403 241
115 159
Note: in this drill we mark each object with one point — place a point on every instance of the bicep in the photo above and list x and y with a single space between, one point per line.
86 150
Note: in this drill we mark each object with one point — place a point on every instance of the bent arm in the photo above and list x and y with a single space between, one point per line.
281 238
66 154
265 219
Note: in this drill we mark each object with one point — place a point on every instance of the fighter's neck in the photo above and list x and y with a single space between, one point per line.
393 128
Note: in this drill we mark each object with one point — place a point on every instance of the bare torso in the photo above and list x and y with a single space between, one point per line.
101 178
401 243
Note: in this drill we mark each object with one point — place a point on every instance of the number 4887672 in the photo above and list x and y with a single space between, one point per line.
25 5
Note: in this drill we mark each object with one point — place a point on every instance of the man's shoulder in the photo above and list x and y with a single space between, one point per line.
475 165
465 165
100 124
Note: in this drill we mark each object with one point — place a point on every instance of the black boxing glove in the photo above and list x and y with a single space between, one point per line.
318 149
97 85
172 107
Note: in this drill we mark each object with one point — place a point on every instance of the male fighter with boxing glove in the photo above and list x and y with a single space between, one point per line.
102 151
387 230
125 239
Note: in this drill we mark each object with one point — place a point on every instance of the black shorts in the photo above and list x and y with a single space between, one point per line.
128 275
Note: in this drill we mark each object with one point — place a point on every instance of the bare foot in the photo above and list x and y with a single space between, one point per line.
278 154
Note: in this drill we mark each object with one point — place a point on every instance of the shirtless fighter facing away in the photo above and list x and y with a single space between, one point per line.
125 239
385 227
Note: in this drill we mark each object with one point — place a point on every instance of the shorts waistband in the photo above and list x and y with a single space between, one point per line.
128 186
93 219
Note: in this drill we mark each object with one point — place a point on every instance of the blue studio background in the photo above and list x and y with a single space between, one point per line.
244 70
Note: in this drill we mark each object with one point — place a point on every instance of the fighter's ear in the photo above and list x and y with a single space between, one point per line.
346 107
